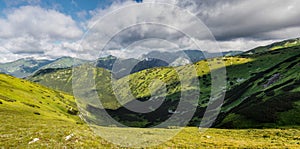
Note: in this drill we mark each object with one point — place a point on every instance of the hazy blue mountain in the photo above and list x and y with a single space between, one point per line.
106 62
23 67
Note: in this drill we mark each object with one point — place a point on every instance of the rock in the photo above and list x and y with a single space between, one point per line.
69 137
208 137
34 140
272 80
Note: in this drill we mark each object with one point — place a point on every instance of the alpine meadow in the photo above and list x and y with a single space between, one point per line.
149 74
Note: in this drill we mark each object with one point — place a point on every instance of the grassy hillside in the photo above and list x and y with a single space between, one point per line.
248 88
278 45
265 100
30 111
23 95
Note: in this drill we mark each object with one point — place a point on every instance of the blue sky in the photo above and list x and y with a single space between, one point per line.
69 7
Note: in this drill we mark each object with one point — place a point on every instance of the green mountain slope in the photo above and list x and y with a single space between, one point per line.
246 77
278 45
27 116
64 62
251 85
17 93
29 111
269 98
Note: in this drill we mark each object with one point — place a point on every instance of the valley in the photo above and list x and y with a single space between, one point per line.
247 76
261 106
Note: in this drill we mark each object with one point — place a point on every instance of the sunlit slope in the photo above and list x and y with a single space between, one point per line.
246 75
277 45
35 99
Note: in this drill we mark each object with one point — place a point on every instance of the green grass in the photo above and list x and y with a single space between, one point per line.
275 46
20 125
246 75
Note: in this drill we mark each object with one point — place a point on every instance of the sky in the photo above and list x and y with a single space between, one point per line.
49 29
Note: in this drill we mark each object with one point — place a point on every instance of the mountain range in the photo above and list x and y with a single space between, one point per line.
28 66
262 89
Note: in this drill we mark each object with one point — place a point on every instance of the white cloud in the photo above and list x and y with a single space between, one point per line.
123 24
243 44
7 56
233 19
237 25
34 31
39 23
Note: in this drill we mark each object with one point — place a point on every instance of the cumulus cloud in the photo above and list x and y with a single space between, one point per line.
126 23
39 23
129 29
233 19
32 30
7 56
236 25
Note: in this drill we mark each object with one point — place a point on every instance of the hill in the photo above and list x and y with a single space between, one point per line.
64 62
277 45
254 96
29 111
251 84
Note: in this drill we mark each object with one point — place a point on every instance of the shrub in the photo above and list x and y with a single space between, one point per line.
7 99
270 93
72 111
288 88
30 105
266 112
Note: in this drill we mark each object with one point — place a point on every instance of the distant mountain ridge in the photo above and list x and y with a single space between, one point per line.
254 99
25 67
28 66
